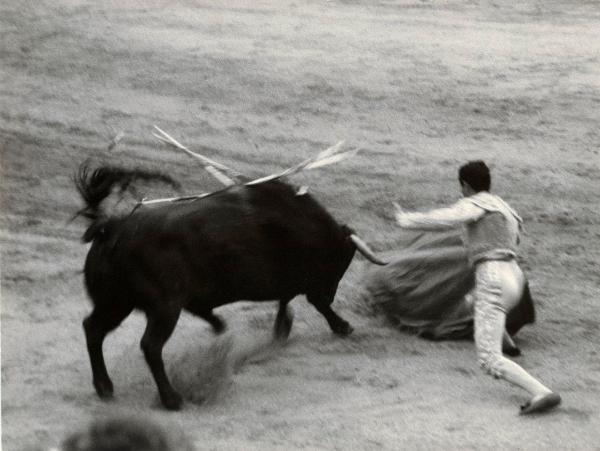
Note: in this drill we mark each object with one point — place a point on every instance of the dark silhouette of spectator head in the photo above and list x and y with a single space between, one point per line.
126 434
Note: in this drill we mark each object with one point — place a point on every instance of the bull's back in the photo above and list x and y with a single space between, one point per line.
256 243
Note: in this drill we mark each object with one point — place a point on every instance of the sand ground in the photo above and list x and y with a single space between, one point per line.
419 87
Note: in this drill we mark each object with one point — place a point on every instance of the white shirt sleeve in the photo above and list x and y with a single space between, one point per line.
456 215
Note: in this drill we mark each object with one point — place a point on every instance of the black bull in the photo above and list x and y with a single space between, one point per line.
257 243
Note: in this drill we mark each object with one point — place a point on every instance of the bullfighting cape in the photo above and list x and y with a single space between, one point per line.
425 289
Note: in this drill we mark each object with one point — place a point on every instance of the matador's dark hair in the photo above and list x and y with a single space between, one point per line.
476 174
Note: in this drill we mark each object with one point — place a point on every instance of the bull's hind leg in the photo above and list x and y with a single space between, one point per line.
215 321
283 322
322 301
158 330
96 327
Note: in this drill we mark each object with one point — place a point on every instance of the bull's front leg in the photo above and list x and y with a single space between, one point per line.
322 302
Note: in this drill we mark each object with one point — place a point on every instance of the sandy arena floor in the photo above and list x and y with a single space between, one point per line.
420 87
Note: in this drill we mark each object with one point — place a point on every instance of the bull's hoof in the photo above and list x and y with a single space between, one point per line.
104 388
343 329
173 401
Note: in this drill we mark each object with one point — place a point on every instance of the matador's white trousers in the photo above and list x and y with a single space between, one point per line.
498 288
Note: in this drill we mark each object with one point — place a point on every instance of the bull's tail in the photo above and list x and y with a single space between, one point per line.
96 185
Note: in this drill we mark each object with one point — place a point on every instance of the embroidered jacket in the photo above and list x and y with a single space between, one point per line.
490 226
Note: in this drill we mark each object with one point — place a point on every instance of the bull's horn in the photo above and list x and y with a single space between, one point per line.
366 251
